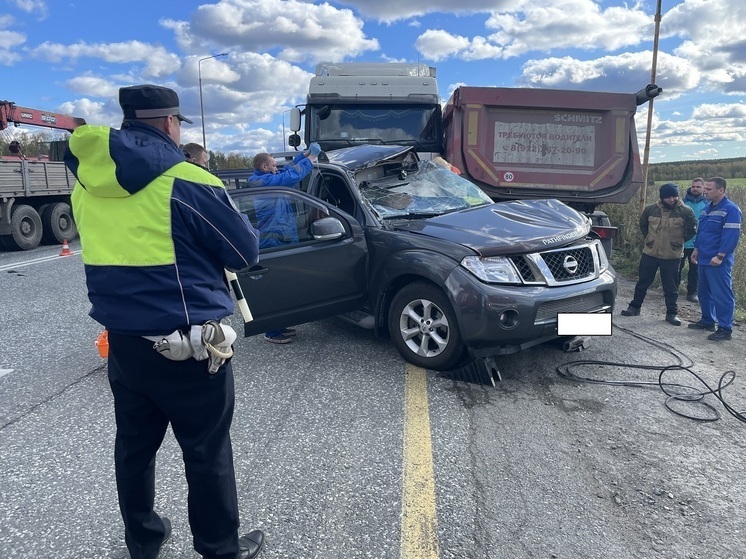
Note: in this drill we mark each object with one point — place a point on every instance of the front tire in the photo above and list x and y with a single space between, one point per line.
423 327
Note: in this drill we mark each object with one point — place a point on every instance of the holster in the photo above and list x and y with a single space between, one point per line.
211 340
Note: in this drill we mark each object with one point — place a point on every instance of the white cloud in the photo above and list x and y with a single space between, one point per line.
536 27
708 124
93 86
625 73
577 24
158 62
393 10
32 6
9 40
732 110
291 30
438 44
715 45
94 112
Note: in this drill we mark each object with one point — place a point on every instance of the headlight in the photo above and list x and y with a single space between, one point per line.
497 269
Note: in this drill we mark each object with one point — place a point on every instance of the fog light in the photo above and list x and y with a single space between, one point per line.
509 319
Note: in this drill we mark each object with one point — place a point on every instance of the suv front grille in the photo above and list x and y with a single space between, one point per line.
571 264
562 266
523 268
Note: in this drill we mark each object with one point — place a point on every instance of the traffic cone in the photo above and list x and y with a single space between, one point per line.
102 343
65 249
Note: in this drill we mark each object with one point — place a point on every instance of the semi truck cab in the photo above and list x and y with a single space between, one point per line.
351 104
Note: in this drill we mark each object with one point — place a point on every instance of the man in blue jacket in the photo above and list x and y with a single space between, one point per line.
274 214
717 237
695 199
157 234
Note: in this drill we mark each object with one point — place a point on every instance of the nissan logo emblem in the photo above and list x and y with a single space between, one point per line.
570 264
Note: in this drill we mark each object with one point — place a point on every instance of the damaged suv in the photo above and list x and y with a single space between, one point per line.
410 248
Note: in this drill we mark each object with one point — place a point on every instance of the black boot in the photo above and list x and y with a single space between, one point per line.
631 311
673 319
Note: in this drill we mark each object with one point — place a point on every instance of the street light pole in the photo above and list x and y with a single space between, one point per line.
201 109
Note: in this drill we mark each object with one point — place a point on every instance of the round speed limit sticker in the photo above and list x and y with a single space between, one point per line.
508 177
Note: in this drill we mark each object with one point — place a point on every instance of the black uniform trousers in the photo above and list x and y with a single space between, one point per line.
649 265
150 392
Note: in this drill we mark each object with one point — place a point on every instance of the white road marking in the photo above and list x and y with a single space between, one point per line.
4 372
23 263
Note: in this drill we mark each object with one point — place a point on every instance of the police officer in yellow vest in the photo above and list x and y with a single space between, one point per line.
157 233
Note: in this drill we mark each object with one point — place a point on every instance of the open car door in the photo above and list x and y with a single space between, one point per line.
312 259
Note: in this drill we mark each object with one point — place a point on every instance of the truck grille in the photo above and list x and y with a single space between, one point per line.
592 302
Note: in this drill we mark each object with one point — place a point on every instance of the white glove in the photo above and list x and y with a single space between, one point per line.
175 346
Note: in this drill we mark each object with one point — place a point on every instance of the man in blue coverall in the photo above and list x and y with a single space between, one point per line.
717 237
274 216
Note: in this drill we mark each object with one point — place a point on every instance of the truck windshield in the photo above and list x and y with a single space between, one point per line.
335 126
422 190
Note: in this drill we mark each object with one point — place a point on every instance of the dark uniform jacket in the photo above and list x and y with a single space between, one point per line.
157 232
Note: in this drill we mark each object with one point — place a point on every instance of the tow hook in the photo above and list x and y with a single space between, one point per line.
577 343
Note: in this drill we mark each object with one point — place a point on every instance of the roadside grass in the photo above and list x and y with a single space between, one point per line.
628 243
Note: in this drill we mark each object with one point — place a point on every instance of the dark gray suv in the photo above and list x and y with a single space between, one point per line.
410 248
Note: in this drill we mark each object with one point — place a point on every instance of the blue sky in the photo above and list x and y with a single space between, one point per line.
73 56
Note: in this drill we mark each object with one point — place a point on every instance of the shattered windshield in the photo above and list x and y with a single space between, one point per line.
421 190
368 123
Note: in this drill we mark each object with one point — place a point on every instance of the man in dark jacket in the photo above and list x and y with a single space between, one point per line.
157 235
715 246
665 225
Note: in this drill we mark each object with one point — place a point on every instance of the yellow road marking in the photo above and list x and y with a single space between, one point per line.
419 524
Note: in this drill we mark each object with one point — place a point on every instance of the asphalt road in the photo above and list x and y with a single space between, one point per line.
329 436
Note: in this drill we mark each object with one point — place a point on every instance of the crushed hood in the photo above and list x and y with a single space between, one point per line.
105 159
367 155
507 227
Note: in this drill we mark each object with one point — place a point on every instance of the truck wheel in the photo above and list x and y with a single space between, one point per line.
58 224
423 327
25 228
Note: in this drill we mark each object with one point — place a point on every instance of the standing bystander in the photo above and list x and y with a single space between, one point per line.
196 154
665 225
695 199
157 233
717 238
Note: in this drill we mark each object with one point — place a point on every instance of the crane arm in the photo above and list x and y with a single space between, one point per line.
12 113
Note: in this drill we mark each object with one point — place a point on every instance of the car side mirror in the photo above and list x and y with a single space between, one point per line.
294 140
327 229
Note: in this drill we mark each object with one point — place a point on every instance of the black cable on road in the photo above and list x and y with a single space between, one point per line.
679 396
